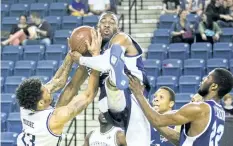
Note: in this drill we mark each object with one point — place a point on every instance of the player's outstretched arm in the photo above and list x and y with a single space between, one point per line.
64 114
170 134
87 139
186 114
73 86
61 76
121 139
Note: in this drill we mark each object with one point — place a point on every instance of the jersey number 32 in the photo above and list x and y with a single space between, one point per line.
216 134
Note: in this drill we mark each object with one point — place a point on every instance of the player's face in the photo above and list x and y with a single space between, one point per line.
46 97
108 26
102 119
205 85
161 102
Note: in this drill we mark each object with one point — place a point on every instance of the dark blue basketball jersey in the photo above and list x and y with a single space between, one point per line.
212 134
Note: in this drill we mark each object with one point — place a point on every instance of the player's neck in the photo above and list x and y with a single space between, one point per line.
212 96
106 127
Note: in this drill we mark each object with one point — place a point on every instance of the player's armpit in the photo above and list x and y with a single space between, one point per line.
121 139
87 139
73 86
61 76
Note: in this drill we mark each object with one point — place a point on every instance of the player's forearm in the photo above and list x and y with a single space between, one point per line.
73 86
172 135
61 76
93 84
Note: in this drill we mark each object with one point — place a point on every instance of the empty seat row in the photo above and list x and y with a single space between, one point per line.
30 68
198 50
176 67
33 1
12 122
9 138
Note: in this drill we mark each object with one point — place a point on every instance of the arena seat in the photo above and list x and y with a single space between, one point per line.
12 53
193 18
18 9
189 84
40 8
90 20
153 67
55 52
182 99
71 22
46 1
201 50
24 68
12 83
166 21
61 36
8 138
54 21
161 36
34 52
7 68
27 1
157 51
58 9
8 22
14 123
222 50
8 1
172 67
227 35
194 67
170 81
4 10
43 79
178 51
2 84
46 68
3 121
216 63
231 65
8 102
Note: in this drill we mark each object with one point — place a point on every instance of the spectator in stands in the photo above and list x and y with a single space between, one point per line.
228 10
77 8
171 7
208 29
182 31
228 107
19 32
195 6
43 30
98 7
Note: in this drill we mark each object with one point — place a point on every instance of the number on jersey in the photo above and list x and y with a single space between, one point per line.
28 139
216 134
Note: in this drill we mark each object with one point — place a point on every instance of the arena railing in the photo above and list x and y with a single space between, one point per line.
74 135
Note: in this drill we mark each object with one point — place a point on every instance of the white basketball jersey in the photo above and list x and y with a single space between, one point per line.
104 139
35 129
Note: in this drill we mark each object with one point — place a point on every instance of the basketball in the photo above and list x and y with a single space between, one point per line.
78 38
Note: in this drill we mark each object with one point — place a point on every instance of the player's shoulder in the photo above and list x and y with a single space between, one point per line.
198 107
121 36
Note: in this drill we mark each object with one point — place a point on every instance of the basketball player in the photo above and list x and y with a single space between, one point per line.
106 134
43 124
119 52
163 102
202 122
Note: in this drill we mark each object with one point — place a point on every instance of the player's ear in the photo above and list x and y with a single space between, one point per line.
40 104
214 86
171 104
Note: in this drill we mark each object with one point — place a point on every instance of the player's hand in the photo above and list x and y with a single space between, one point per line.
135 85
75 56
95 45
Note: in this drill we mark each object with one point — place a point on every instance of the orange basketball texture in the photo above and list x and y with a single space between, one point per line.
78 38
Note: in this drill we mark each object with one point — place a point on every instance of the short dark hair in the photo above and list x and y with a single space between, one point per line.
171 92
29 93
36 15
224 79
22 15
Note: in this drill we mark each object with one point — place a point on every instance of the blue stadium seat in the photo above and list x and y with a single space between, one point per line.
178 51
8 1
12 53
216 63
7 68
44 79
8 102
25 68
14 123
193 18
33 52
170 81
227 35
71 22
201 51
231 65
46 68
9 138
58 9
223 50
189 84
27 1
172 67
7 23
182 99
194 67
161 36
40 8
73 69
46 1
166 21
90 20
157 51
18 9
55 52
4 10
12 83
61 36
2 84
152 82
3 122
152 67
54 21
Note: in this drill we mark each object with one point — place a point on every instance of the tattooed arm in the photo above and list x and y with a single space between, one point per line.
64 114
61 76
